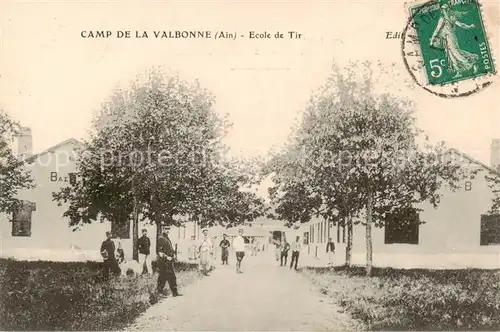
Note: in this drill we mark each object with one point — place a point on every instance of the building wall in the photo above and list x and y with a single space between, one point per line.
51 237
449 238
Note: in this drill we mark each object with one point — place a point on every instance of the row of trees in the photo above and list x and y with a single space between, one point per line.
155 153
357 156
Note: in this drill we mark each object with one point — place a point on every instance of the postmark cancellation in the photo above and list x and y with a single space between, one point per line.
446 49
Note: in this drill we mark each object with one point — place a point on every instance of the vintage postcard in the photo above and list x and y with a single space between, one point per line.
249 165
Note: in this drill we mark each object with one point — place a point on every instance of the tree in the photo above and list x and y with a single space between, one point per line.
153 154
493 180
364 155
13 175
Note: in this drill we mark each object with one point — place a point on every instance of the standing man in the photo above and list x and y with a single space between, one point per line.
285 247
144 248
166 256
277 249
330 250
109 257
205 251
296 247
239 248
225 244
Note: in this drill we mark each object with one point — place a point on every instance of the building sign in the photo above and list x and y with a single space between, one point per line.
21 218
70 177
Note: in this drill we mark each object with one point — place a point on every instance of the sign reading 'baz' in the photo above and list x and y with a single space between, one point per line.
55 177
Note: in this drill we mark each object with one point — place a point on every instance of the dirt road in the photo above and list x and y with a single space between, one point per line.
264 297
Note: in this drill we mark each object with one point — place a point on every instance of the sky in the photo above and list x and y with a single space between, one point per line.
53 80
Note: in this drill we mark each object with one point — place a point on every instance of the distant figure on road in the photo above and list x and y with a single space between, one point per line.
109 257
225 244
285 247
277 250
296 247
330 250
144 248
193 249
253 247
239 248
120 254
206 253
166 254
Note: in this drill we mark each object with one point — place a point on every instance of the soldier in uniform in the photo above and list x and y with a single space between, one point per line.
166 254
108 254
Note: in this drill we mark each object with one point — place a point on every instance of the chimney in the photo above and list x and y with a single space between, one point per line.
24 143
495 154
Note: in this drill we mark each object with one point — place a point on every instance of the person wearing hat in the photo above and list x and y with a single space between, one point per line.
144 248
225 244
109 257
166 272
205 250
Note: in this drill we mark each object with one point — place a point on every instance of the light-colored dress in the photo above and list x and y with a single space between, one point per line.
206 250
459 60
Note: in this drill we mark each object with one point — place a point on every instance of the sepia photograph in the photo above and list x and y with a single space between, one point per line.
249 166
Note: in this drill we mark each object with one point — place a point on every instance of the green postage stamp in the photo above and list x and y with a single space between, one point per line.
453 40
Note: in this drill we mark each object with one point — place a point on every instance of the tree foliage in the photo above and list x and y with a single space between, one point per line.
359 153
158 146
13 175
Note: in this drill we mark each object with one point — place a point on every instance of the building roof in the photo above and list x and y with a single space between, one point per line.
232 231
474 161
54 148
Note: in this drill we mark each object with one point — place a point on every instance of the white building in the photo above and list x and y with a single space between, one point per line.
42 232
459 233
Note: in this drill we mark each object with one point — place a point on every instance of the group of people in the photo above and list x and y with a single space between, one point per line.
283 248
206 251
113 258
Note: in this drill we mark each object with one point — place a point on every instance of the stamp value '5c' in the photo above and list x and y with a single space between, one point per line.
453 41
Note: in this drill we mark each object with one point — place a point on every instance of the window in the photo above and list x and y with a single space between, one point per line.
321 232
338 232
343 233
325 235
317 233
21 218
329 230
306 238
402 228
72 178
120 230
490 229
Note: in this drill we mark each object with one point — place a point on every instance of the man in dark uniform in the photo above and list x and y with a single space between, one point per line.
225 244
165 261
109 256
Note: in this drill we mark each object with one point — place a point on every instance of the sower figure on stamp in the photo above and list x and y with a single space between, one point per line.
445 37
165 261
109 257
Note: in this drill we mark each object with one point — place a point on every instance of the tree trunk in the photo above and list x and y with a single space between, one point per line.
348 248
158 232
135 231
369 253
